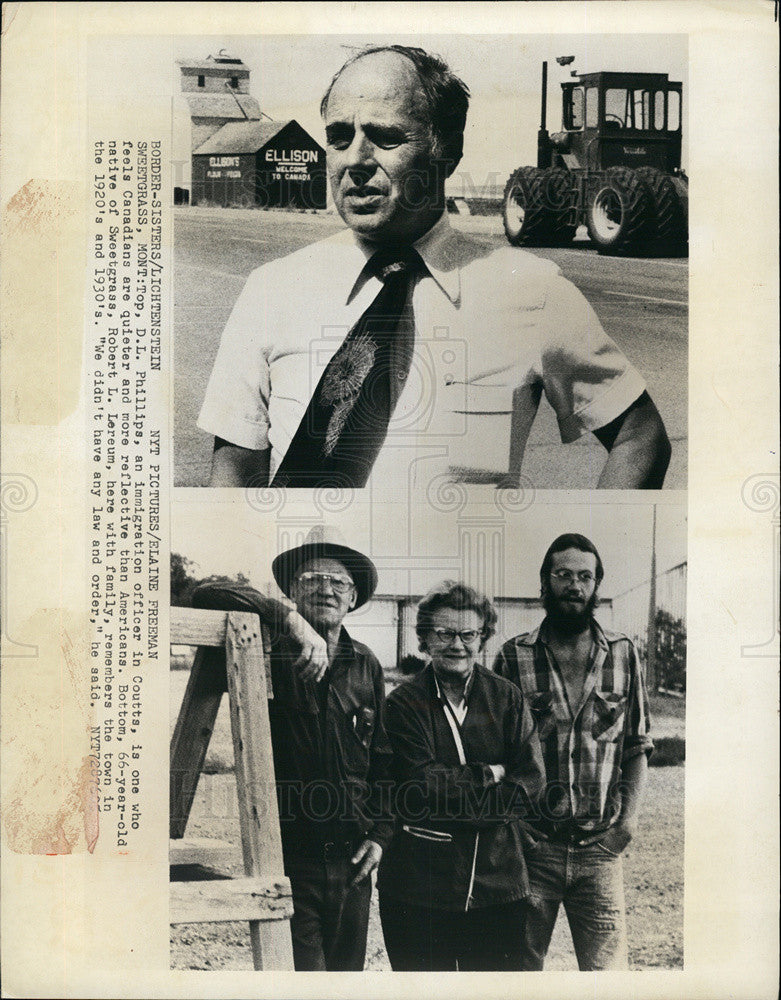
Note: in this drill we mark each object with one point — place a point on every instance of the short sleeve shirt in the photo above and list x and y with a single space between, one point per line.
494 330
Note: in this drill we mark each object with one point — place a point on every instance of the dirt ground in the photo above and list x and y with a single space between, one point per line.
653 869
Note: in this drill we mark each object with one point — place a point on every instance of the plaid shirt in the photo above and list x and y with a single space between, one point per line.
583 748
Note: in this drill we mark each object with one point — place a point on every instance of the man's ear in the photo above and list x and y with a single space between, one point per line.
353 598
452 153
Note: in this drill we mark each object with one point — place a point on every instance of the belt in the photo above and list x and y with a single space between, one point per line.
567 833
324 851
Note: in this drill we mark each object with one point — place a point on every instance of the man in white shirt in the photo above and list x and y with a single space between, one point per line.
493 329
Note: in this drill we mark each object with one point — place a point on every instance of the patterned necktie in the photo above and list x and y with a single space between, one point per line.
347 419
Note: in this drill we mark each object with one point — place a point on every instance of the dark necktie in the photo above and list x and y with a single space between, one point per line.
347 419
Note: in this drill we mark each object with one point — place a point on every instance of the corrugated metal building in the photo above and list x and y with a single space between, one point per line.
261 163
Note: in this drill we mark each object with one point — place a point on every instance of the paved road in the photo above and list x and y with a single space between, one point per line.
641 303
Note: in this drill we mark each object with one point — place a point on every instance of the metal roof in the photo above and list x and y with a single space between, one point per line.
240 137
215 69
622 79
222 106
213 62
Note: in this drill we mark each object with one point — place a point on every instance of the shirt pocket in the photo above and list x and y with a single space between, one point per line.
362 724
541 706
291 377
608 719
479 419
354 727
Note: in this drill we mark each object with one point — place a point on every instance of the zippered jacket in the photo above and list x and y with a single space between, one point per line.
459 834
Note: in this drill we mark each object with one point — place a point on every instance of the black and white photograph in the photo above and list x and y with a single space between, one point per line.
389 509
490 287
487 710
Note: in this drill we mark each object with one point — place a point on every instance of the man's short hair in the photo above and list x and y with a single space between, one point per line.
446 96
561 544
458 597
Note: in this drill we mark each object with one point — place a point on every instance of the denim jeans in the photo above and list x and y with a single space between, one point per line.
589 881
330 918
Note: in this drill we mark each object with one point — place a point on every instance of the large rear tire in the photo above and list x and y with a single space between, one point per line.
669 232
558 197
620 212
682 187
526 219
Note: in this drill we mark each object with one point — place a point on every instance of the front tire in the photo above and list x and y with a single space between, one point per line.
526 219
620 212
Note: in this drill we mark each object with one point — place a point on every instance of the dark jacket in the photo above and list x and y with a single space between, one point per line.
331 752
459 835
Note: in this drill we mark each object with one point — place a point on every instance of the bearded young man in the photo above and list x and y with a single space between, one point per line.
587 694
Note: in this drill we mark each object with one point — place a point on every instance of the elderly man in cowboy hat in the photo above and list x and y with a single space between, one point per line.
331 752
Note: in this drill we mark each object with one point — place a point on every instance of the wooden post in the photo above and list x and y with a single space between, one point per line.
194 728
258 812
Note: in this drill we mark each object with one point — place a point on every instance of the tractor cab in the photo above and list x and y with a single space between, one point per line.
618 119
615 168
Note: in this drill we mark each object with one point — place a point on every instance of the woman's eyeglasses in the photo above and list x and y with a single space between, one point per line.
468 636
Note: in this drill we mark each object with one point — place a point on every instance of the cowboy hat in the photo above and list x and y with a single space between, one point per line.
326 542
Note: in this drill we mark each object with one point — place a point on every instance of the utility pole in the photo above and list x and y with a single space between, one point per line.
652 679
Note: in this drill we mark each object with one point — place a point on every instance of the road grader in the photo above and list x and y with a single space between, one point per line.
615 167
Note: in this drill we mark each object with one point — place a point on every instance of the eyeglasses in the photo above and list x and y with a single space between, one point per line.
312 581
468 636
567 576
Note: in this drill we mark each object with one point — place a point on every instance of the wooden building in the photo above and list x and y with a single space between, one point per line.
259 164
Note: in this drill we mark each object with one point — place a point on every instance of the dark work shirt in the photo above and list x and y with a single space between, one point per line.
331 752
330 748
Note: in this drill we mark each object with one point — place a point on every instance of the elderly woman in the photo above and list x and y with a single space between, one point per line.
468 770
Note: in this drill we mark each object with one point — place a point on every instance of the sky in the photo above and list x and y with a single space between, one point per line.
414 550
290 73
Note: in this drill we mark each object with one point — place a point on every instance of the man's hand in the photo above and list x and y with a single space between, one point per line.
616 838
639 448
312 661
368 857
530 836
498 772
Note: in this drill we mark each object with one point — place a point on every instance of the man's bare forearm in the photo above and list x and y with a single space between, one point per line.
235 466
639 449
634 775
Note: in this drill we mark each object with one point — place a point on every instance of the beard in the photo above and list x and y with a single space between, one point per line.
570 617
